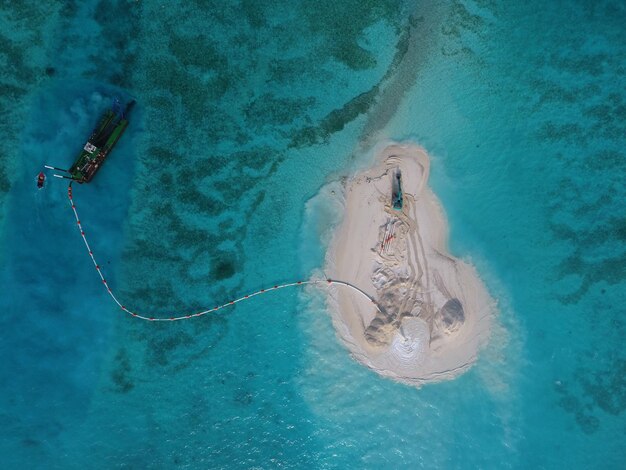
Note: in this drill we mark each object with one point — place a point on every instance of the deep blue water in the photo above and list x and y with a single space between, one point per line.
245 111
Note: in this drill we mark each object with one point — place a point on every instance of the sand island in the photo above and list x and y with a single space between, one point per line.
434 313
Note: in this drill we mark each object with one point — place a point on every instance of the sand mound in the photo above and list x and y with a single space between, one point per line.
434 313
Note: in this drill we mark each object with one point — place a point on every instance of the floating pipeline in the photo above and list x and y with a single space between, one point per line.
177 317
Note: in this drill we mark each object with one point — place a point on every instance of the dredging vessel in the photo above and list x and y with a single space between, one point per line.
102 140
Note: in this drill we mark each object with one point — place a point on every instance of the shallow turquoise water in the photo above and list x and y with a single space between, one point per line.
244 112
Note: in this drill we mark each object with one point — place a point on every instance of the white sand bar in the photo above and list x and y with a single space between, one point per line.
436 312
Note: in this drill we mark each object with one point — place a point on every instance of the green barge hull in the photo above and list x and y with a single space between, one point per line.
104 137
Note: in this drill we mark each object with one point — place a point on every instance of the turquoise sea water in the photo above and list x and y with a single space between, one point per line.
246 111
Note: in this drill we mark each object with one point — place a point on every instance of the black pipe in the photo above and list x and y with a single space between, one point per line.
55 168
